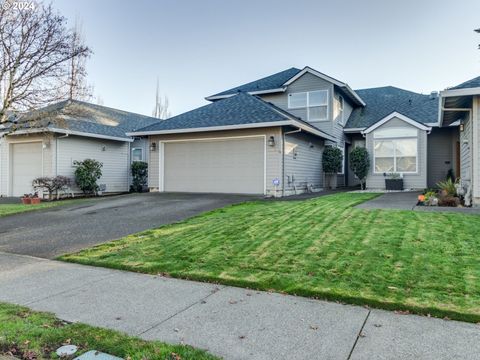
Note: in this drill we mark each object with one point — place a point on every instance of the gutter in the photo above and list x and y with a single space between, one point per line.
290 122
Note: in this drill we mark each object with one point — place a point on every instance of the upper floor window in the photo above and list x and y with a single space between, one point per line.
316 103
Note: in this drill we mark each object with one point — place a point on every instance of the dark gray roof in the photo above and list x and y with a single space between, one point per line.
274 81
382 101
74 115
239 109
235 110
472 83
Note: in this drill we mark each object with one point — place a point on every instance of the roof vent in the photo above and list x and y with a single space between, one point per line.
434 95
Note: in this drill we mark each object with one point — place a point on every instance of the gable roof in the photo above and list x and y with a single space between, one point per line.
270 82
397 115
472 83
235 112
382 101
278 83
82 118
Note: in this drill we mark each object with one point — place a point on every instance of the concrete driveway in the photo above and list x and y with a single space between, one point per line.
64 229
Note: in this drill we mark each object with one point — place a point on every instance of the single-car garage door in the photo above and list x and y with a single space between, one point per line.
220 166
26 165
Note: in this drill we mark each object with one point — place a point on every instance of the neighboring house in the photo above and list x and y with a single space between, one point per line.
47 142
267 137
460 105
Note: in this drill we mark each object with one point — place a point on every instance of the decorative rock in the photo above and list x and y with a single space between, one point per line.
66 350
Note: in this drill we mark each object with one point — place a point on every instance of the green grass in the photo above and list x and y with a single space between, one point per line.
11 209
30 335
423 262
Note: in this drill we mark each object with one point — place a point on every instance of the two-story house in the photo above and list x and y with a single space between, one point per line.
267 137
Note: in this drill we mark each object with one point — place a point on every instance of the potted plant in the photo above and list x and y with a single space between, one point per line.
35 200
26 199
394 181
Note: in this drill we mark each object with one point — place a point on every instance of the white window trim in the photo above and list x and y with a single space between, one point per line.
137 148
395 156
307 107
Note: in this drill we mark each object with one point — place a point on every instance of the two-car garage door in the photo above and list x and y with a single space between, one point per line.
234 165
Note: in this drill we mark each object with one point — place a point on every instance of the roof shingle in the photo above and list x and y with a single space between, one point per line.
382 101
274 81
472 83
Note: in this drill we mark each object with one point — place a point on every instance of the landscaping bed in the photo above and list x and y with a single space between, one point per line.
30 335
422 262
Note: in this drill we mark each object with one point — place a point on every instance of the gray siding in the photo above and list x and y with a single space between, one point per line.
303 163
466 152
307 82
114 159
476 150
411 181
273 154
441 154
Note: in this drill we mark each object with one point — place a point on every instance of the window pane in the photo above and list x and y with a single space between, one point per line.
317 113
137 155
407 164
297 100
406 147
394 132
384 164
384 149
317 98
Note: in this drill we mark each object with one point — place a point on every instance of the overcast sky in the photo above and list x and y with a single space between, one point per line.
200 47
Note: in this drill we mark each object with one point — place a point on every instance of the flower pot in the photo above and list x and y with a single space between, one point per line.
26 201
394 184
35 201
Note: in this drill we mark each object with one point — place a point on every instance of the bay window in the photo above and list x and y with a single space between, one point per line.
395 150
316 103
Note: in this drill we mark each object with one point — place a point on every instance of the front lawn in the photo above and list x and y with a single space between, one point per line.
10 209
33 335
422 262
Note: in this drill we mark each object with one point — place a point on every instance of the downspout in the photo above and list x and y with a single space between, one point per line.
283 156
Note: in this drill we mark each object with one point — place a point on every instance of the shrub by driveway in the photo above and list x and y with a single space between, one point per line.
421 262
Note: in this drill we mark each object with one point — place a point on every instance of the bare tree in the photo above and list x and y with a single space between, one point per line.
35 52
76 79
161 106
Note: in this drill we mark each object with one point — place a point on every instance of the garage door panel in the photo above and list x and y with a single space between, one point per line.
224 166
26 160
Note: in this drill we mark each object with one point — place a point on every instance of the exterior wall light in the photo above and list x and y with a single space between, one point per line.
462 127
271 141
153 146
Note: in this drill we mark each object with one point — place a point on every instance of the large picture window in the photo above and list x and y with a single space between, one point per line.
316 103
395 154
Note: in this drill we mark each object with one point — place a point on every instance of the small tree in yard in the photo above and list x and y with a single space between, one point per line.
87 174
139 171
360 164
51 184
331 164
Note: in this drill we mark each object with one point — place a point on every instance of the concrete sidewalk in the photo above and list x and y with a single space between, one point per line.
230 322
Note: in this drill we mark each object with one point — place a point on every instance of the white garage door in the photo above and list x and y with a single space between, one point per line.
26 160
220 166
